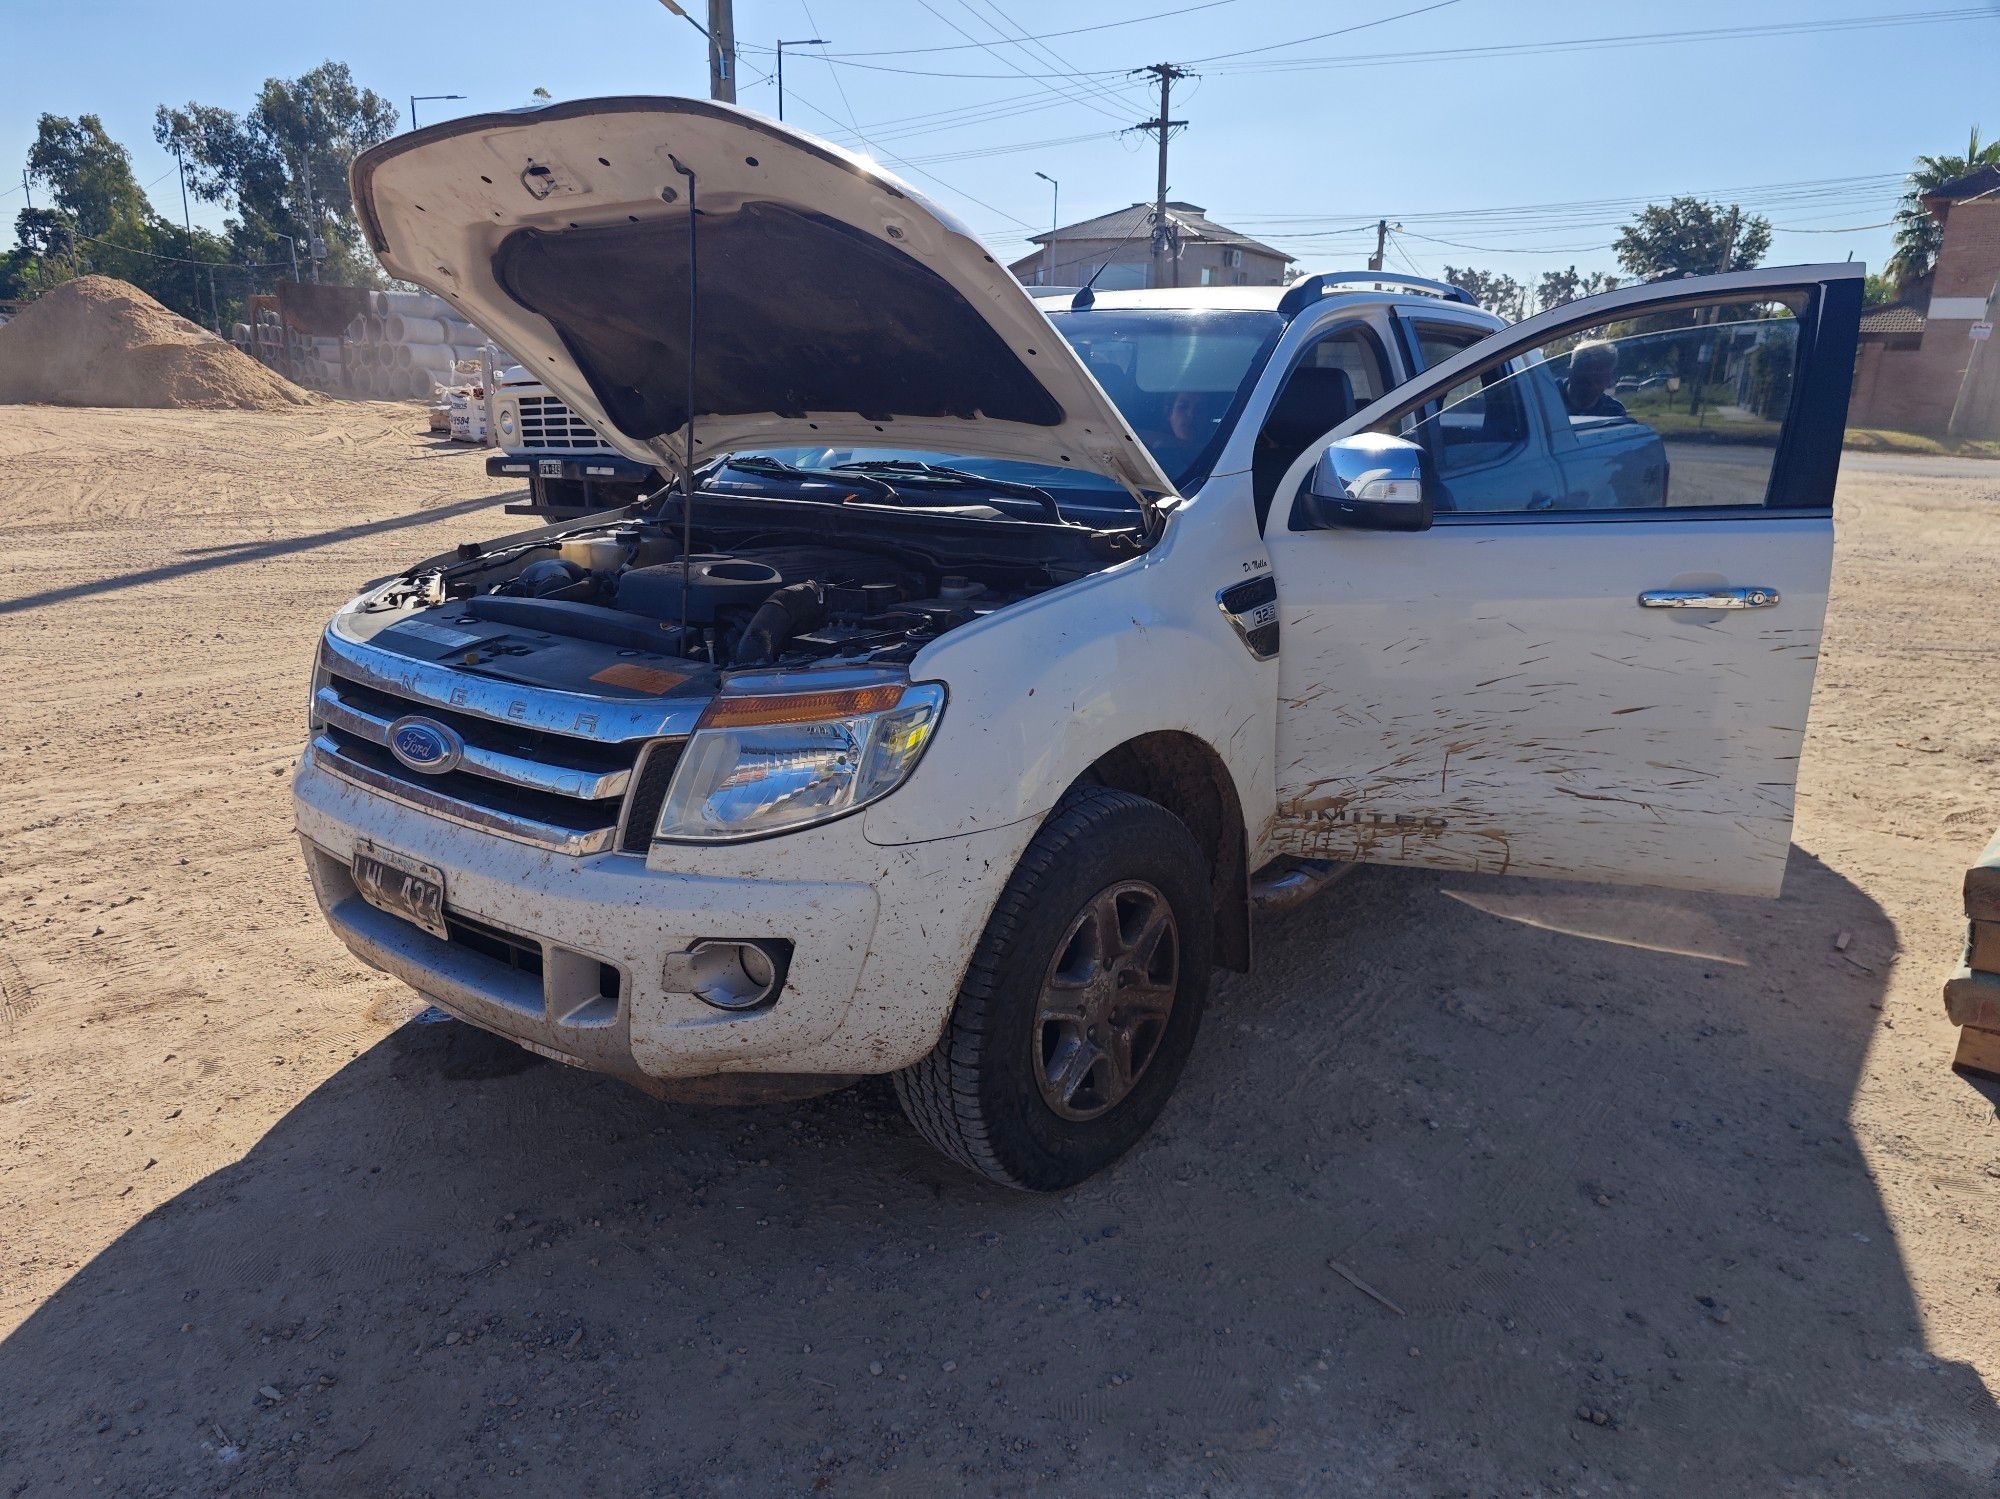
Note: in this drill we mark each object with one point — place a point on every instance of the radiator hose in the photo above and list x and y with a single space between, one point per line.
791 610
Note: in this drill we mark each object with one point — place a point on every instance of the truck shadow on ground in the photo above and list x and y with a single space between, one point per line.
233 554
1587 1152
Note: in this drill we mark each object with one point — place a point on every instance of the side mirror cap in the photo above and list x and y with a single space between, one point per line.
1372 481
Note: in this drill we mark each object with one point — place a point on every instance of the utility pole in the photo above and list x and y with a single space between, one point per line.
312 218
1729 239
722 50
811 41
315 246
1055 222
1166 262
26 189
187 223
1711 315
1381 244
415 99
180 164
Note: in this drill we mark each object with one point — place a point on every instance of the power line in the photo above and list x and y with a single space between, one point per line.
957 191
1324 35
231 265
1844 229
976 153
1158 15
922 172
1563 213
845 102
1233 62
1602 43
1032 48
1042 80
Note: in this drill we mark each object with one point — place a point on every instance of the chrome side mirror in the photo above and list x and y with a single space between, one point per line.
1370 480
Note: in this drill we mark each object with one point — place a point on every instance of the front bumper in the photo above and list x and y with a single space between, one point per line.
593 468
570 956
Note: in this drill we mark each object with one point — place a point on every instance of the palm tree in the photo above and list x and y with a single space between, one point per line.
1918 235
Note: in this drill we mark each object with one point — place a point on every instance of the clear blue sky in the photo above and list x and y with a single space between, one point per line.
1298 156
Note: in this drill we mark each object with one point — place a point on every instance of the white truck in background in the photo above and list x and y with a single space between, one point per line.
998 653
570 469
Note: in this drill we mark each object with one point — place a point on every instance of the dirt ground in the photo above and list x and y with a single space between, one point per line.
1658 1193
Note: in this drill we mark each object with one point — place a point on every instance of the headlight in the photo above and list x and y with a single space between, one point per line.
506 420
763 763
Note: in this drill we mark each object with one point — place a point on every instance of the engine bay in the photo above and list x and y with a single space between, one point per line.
623 606
762 606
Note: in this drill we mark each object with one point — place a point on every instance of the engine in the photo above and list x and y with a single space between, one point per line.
747 606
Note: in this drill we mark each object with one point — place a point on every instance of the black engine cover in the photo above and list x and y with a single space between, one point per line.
746 578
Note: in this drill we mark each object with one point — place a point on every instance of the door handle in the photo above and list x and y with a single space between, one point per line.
1708 598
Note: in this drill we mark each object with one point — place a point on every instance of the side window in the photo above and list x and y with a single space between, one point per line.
1669 408
1482 421
1336 376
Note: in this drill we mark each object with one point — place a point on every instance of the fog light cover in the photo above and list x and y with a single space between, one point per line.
731 973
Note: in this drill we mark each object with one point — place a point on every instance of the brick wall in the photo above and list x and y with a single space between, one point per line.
1913 390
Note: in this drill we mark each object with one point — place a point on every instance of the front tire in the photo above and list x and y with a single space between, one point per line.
1082 1000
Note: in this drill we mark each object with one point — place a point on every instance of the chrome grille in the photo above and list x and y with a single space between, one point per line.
547 423
562 788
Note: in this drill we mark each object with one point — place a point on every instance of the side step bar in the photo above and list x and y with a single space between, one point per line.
1287 883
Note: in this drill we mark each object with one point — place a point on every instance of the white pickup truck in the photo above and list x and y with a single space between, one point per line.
992 653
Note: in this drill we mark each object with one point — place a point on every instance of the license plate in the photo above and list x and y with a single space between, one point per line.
550 468
402 886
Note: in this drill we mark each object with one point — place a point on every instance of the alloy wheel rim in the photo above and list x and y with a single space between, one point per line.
1106 1000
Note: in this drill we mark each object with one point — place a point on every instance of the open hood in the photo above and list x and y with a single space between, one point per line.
836 305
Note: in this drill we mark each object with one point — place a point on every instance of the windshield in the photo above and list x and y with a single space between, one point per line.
1179 376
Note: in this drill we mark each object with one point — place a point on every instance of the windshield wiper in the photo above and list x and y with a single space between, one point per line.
955 478
777 468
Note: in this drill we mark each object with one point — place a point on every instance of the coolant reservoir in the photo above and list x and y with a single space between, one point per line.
597 554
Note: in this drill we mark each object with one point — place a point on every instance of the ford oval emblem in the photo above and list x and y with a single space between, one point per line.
425 745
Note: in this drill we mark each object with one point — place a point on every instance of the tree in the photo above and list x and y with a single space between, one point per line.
1689 236
1555 288
1490 289
99 220
1918 235
88 175
282 164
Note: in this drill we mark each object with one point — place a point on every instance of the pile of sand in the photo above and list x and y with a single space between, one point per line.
97 341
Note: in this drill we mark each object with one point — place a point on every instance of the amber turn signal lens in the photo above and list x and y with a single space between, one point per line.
798 707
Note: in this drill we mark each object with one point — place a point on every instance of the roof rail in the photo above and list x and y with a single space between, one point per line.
1309 289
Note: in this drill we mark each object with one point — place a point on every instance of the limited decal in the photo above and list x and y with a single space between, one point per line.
1408 821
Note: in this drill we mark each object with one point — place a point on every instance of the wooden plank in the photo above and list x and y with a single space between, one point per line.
1973 999
1983 952
1982 884
1978 1051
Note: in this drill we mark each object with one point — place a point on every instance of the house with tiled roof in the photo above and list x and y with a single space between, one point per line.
1205 253
1916 352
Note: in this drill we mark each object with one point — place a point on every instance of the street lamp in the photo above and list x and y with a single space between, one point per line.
1049 250
811 41
415 97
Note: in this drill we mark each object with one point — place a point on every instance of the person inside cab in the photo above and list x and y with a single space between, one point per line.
1586 389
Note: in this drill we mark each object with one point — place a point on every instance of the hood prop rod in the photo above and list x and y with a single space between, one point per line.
687 468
